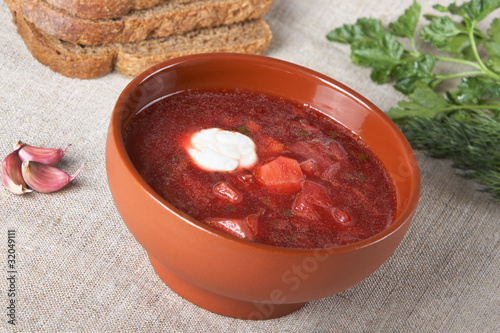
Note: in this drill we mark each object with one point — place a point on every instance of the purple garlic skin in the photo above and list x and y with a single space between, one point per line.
12 175
48 156
45 178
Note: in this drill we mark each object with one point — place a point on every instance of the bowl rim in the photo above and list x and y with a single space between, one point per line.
114 129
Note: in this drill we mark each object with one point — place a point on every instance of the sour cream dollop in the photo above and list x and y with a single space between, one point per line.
215 149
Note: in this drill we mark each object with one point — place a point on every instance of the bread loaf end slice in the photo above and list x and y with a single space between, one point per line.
68 59
86 62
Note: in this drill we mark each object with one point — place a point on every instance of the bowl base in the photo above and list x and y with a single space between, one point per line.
219 304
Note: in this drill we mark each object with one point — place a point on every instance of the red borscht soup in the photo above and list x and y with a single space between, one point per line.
261 168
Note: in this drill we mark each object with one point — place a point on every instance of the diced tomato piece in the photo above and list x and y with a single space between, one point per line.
301 207
311 201
303 149
253 127
253 221
308 167
234 227
314 151
316 194
282 174
269 146
227 192
332 173
341 216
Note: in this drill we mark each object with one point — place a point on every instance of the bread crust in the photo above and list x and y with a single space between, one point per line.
87 62
169 18
71 64
102 9
252 37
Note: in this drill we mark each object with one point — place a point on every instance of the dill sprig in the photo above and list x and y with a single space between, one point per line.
472 146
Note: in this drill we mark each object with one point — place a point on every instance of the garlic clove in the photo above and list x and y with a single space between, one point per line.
45 178
48 156
11 174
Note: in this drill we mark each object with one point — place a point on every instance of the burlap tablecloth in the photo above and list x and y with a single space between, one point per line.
78 269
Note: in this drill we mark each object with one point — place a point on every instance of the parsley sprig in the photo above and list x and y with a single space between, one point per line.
461 124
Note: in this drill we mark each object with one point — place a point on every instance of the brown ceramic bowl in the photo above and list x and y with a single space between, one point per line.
231 276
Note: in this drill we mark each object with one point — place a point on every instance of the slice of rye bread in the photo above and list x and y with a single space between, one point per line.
169 18
86 62
97 9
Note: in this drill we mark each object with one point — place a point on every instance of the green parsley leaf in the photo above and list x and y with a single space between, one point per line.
494 32
406 23
477 10
439 31
381 53
423 102
492 46
371 46
474 90
408 74
362 156
242 129
493 62
347 34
